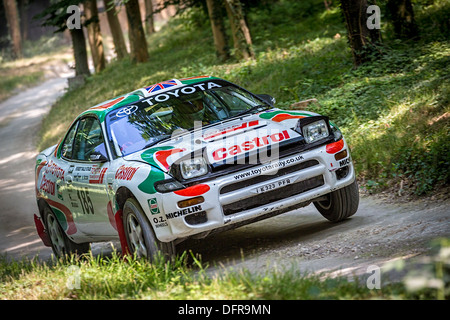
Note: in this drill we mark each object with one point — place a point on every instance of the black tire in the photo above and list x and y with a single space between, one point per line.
140 236
340 204
62 246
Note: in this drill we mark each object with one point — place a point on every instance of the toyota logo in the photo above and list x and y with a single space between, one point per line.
126 111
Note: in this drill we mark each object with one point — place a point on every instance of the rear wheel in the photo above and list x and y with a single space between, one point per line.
61 244
141 239
339 204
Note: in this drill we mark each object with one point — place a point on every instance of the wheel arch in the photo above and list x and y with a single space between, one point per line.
122 194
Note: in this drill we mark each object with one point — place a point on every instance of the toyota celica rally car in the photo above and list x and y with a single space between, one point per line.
186 158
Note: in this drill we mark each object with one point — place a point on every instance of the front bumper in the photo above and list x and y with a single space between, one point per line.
258 192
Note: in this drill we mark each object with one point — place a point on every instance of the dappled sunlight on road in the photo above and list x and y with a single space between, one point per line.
20 118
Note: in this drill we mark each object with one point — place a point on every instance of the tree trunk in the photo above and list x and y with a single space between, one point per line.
116 31
149 23
241 33
138 43
363 42
12 18
218 29
94 35
23 10
79 52
402 15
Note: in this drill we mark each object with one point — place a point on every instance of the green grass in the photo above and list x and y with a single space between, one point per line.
13 81
24 73
185 278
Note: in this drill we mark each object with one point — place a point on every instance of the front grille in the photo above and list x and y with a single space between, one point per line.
272 196
262 178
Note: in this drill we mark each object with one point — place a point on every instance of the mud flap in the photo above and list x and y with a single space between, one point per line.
121 231
41 231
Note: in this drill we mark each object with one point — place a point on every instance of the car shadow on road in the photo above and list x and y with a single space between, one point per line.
265 237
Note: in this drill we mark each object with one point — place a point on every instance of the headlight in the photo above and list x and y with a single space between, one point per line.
192 168
315 131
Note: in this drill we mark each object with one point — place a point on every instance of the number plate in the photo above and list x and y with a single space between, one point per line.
273 185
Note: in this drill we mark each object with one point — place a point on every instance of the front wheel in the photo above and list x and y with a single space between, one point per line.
339 204
61 244
141 239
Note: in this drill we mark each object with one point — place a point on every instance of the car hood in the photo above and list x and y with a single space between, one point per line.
226 140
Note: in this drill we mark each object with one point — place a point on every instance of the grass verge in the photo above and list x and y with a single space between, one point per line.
186 278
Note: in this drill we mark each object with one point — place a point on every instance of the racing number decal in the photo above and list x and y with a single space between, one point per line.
85 200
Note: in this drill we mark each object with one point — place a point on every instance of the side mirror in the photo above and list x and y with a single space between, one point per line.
97 157
267 98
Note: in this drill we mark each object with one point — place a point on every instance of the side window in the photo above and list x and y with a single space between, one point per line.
66 150
89 144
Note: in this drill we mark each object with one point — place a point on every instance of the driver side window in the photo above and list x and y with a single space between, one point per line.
89 144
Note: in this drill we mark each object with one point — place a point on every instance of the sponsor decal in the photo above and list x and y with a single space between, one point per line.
344 162
213 134
97 175
160 222
257 142
53 169
153 204
184 90
184 212
47 185
269 168
125 173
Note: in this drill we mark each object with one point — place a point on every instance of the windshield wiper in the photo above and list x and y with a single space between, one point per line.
151 144
254 108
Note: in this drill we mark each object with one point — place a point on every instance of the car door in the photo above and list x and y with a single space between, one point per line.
87 176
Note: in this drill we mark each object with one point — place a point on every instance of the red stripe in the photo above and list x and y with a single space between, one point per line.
109 104
284 116
162 156
69 218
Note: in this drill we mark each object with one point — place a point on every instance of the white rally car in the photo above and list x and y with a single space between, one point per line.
186 158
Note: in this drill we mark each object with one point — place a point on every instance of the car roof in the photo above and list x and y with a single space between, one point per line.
105 107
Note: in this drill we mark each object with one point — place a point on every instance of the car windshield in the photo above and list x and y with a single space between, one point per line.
135 127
